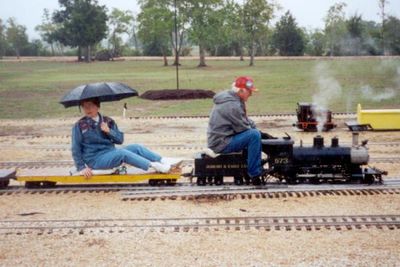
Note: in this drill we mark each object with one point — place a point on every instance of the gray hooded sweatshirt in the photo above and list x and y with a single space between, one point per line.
227 118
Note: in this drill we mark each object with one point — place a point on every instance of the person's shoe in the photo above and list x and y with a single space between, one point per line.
171 161
159 167
256 180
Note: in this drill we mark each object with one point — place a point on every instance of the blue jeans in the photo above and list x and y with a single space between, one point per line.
135 155
250 140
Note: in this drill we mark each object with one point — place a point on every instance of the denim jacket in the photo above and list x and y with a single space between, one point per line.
89 141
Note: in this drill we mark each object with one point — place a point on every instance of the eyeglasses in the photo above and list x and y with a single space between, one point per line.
249 84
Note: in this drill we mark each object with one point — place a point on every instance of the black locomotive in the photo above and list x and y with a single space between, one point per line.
293 164
307 118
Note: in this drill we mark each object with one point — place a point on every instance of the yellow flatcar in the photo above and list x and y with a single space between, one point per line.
36 180
376 119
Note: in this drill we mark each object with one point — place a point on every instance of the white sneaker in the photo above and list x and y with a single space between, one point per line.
163 168
171 161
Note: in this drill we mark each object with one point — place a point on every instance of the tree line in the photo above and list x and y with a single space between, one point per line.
216 27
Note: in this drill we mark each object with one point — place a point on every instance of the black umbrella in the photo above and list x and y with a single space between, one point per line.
104 91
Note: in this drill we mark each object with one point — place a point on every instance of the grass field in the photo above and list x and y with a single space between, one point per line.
33 89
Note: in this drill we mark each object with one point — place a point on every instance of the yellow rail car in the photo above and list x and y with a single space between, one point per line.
375 119
41 180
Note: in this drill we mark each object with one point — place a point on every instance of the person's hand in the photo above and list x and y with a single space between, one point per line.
267 136
104 127
87 172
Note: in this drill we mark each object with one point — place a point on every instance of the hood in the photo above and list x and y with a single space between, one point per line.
225 96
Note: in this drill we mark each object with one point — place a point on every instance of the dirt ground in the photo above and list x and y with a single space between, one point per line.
49 140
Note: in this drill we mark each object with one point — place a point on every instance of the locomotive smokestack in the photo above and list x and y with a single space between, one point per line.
318 141
355 139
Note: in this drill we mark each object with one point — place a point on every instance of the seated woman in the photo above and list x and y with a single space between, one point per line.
93 144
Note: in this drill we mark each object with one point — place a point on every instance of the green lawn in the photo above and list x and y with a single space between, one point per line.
32 89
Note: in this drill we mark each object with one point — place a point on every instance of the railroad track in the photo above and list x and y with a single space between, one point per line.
254 116
230 192
196 224
189 191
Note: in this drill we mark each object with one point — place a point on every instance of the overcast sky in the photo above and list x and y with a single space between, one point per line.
308 13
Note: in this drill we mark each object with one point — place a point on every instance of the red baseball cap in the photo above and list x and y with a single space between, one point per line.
245 82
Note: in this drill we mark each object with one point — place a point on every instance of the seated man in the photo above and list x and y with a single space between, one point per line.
230 130
93 144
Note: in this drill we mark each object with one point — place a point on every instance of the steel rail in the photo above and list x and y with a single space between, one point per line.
263 223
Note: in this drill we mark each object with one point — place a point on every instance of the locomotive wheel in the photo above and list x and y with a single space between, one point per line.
238 180
4 184
369 179
291 180
210 180
219 180
201 181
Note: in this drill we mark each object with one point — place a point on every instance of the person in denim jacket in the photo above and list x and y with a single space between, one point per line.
94 138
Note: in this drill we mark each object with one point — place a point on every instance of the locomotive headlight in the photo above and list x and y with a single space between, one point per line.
359 155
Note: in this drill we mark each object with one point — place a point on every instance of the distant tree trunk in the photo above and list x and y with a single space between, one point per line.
17 52
202 57
113 47
252 52
241 54
177 49
52 49
135 42
79 53
165 57
87 54
61 49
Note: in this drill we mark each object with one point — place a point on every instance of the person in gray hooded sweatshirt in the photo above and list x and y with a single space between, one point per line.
230 130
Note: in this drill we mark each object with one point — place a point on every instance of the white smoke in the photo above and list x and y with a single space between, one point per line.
367 92
370 93
329 91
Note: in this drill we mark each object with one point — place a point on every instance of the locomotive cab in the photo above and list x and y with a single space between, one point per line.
280 155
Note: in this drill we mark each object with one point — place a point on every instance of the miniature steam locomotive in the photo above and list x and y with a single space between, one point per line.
307 118
293 164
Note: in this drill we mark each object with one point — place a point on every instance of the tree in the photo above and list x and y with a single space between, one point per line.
335 27
382 6
155 27
16 36
355 30
228 35
82 24
47 30
392 39
180 9
256 16
133 39
287 37
372 38
204 24
3 42
119 22
316 43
